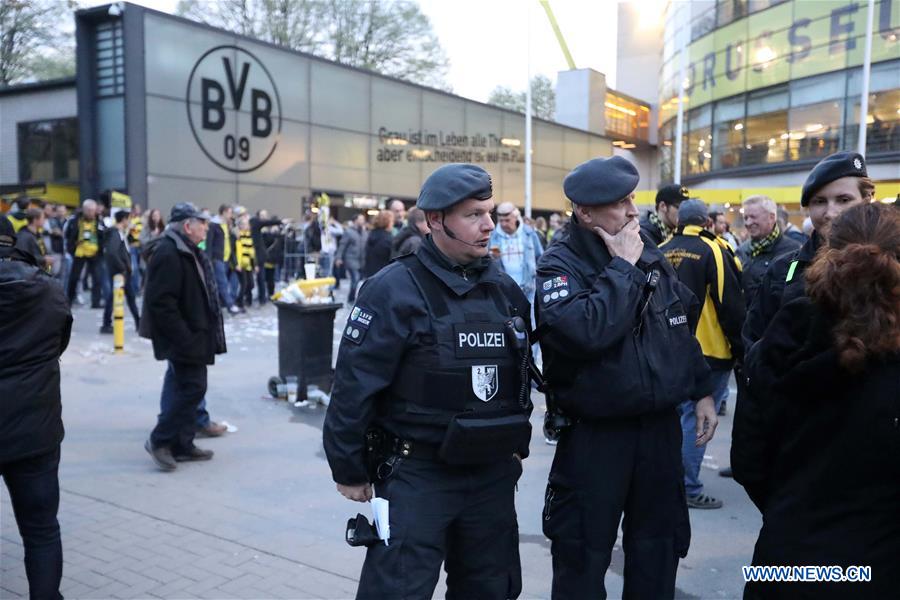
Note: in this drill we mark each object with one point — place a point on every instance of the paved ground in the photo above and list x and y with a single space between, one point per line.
262 519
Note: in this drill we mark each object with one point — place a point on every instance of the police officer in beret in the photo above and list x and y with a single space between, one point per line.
662 221
430 404
616 329
836 183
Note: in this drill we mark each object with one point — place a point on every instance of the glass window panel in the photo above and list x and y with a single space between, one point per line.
815 130
765 139
48 151
815 89
884 76
767 101
882 123
730 10
728 133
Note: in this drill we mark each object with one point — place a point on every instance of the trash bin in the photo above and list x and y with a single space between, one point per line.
305 340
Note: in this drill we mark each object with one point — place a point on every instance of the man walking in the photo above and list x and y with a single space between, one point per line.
118 262
182 317
83 239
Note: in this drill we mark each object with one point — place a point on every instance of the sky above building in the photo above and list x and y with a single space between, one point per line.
487 40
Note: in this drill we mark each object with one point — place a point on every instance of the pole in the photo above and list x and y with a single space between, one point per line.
679 122
119 313
866 72
528 114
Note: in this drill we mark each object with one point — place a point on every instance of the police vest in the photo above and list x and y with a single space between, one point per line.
465 364
88 240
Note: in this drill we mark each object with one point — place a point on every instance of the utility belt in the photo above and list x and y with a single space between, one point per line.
470 439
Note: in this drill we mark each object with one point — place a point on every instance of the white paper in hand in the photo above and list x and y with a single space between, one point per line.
380 514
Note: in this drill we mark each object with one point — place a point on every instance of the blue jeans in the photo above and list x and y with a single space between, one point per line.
33 485
691 455
354 282
183 392
135 268
167 398
222 283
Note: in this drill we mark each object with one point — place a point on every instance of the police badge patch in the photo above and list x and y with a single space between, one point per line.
484 381
555 288
358 324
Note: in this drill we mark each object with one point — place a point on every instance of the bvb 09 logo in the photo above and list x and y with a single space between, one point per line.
234 109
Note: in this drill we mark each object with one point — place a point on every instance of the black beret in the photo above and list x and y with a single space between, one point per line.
673 194
453 183
7 232
601 181
830 168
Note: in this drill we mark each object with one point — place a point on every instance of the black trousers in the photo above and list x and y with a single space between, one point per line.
130 294
602 470
261 286
94 265
269 275
33 485
464 517
245 295
184 386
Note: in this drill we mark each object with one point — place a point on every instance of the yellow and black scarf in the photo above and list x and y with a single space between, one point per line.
757 247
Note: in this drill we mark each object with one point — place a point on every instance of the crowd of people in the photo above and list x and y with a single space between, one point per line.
640 323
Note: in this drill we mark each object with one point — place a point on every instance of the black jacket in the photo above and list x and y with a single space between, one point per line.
407 241
754 268
709 270
396 323
176 313
820 458
603 355
256 226
115 253
378 251
35 324
28 242
70 233
777 289
215 241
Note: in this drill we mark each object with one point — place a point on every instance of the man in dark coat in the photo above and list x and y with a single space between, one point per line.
30 237
766 243
118 262
257 224
84 242
35 324
661 222
410 237
182 317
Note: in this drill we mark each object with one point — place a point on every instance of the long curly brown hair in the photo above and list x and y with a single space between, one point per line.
856 277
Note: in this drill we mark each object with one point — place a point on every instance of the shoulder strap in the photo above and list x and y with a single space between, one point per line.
428 283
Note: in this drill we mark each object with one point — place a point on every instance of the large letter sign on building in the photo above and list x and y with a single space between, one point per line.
234 109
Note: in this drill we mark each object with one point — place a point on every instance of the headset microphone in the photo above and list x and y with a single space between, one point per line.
452 236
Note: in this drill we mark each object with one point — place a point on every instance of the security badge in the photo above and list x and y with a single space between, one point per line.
484 381
358 324
481 340
555 288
